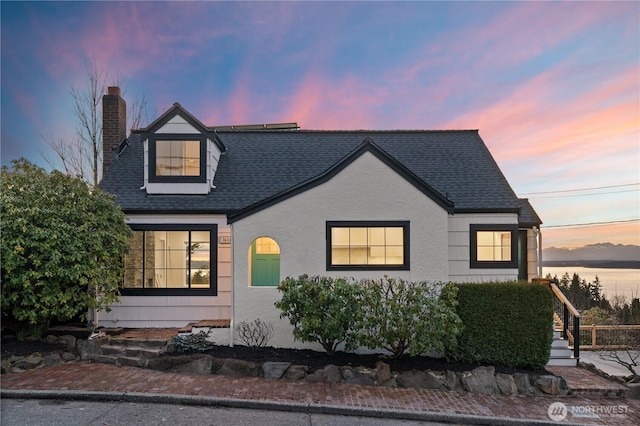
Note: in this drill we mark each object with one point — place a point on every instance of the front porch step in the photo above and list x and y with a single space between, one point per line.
137 342
131 351
564 362
220 323
559 344
561 354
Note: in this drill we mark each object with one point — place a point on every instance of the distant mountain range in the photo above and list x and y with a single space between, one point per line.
602 255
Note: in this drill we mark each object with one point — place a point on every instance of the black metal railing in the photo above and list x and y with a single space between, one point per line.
568 318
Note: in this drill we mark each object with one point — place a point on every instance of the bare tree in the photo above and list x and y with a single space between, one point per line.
82 155
626 354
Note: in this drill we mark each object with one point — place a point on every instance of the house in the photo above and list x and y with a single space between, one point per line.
221 215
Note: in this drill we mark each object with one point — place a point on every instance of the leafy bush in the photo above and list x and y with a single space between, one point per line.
62 247
507 324
197 342
255 334
414 317
320 309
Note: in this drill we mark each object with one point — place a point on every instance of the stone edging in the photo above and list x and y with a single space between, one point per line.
481 380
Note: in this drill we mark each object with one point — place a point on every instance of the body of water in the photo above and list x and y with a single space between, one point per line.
624 282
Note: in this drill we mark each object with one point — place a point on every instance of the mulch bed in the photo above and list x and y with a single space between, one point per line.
13 346
315 360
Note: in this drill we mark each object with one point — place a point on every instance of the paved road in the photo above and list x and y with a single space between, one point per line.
34 412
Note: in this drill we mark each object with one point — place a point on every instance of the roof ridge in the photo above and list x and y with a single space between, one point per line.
350 131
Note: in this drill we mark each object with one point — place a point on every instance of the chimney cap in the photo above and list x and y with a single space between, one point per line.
113 90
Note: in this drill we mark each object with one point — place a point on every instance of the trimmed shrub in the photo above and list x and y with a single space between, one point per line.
320 309
197 342
508 324
414 317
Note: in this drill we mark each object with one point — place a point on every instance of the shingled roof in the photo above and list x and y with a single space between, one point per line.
269 164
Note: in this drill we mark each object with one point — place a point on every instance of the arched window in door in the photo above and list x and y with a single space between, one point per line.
264 263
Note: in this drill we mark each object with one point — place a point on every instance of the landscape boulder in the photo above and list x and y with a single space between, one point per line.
551 385
201 366
419 380
358 376
274 370
296 372
480 380
238 368
506 384
383 372
523 384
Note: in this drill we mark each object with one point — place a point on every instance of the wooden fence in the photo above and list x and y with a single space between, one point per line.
599 337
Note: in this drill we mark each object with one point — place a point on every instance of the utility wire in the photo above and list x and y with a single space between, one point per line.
584 195
592 223
581 189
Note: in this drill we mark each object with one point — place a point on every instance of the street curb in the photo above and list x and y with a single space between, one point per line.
310 408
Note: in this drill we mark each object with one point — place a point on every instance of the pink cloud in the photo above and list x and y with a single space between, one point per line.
530 123
623 233
321 104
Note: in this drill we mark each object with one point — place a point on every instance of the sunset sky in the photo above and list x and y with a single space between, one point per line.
553 87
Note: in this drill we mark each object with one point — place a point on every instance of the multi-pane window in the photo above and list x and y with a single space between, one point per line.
367 245
493 246
170 259
265 245
177 158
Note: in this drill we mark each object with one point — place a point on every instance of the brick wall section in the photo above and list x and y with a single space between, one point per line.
114 124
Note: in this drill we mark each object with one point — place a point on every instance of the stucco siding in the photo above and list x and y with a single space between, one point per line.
366 190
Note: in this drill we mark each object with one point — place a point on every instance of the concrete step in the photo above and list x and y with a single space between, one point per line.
561 353
565 362
559 343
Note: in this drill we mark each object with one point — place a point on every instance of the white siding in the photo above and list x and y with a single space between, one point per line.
179 125
459 241
176 311
366 190
532 255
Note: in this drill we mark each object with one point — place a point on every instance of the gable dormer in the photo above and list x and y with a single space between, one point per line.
181 154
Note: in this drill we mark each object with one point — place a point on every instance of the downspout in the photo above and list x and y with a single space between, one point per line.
539 252
233 290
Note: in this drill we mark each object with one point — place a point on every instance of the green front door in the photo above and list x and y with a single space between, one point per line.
265 263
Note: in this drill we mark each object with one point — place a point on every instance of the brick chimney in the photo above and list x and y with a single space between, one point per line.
114 124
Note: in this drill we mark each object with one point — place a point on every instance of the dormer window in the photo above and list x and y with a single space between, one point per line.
177 158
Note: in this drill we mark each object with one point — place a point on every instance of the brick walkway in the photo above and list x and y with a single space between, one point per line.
86 376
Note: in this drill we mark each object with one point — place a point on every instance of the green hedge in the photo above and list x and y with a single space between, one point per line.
506 324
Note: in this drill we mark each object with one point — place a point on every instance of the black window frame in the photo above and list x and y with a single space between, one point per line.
405 224
213 267
493 264
153 178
